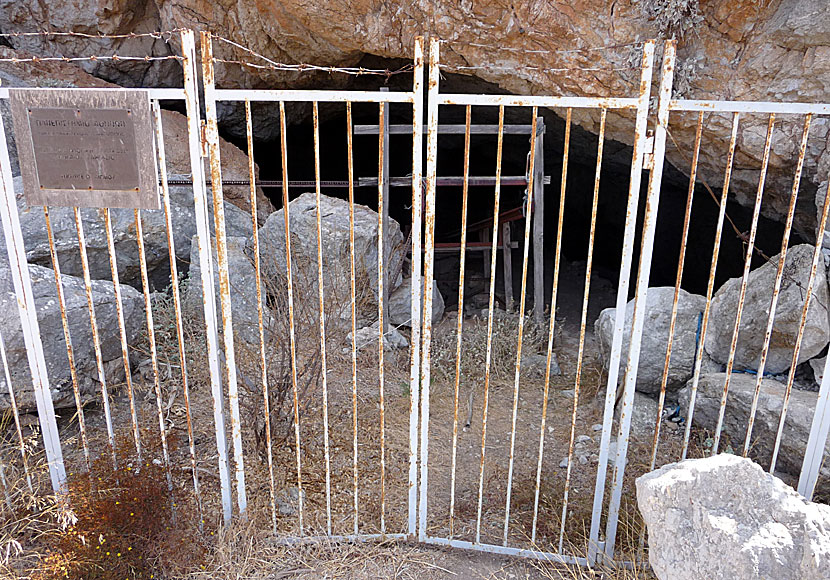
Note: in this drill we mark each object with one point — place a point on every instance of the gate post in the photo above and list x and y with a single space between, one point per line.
638 321
28 321
191 90
622 292
429 252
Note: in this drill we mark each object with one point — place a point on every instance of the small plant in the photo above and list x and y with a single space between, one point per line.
673 18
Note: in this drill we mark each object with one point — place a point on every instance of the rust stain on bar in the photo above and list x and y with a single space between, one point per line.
488 357
582 327
381 107
552 325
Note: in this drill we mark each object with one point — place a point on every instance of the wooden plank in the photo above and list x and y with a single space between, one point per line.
539 224
507 262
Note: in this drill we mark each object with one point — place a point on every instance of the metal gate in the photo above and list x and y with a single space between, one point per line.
353 471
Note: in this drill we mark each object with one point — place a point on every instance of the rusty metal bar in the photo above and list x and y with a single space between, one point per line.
429 254
96 341
684 239
70 352
212 137
750 248
522 298
290 289
779 275
151 337
353 302
489 354
206 265
814 454
249 131
460 316
381 145
13 400
177 307
711 284
582 327
27 310
122 330
641 293
552 324
415 279
321 295
642 105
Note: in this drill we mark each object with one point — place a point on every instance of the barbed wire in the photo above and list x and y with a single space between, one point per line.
114 58
521 68
302 67
548 51
164 35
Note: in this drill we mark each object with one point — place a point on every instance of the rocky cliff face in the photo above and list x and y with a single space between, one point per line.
729 49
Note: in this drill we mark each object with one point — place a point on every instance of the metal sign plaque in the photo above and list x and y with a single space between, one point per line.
85 148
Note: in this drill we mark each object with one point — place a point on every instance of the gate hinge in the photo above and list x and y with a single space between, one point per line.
648 158
203 138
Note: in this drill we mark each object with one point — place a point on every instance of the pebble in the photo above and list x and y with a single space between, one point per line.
597 427
568 393
564 462
584 439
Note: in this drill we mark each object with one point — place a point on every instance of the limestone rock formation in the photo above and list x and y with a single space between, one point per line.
335 249
655 338
797 425
54 345
400 304
756 313
724 517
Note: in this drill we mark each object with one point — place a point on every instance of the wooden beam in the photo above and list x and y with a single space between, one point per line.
507 262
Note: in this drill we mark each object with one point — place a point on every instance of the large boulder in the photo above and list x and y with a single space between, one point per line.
724 517
655 338
336 261
54 345
736 416
400 304
33 226
245 315
756 312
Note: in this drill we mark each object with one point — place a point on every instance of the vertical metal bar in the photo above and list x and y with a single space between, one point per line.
177 307
206 265
779 275
647 64
266 397
151 337
684 238
290 289
212 136
415 276
641 292
538 177
429 253
814 454
28 320
122 330
582 327
352 291
489 353
70 352
381 305
13 401
385 211
750 249
321 294
522 298
711 284
460 316
552 324
96 341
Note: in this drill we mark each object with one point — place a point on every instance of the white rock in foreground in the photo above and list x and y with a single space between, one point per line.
725 517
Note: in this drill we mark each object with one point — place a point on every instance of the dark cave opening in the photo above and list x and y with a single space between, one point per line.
613 192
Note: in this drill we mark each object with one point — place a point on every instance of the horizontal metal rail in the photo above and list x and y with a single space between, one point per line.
450 129
507 551
750 107
303 96
369 182
538 101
